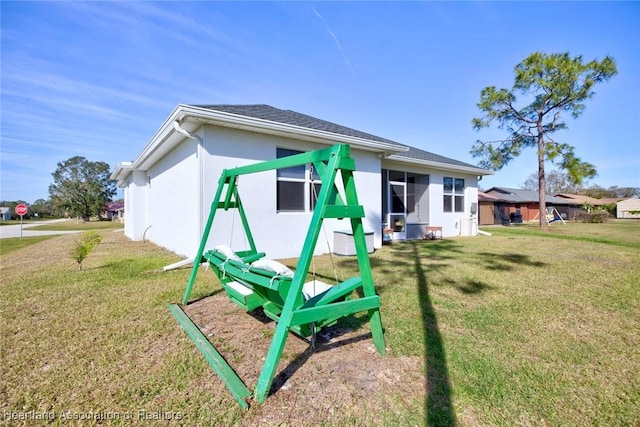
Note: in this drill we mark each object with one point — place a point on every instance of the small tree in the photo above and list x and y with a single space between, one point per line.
82 187
555 84
84 246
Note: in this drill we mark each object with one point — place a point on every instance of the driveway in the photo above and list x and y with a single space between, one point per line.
7 231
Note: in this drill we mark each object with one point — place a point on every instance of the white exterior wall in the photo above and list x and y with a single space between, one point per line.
280 234
369 186
160 201
187 178
624 207
135 199
452 222
173 199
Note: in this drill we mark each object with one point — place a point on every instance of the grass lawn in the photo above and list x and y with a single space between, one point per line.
14 243
521 328
73 224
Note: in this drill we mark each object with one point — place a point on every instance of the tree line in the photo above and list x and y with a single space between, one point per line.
80 188
557 182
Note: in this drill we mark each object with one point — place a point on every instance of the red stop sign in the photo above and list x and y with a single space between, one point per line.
21 209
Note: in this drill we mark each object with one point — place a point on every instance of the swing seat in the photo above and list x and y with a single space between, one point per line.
247 286
243 294
251 287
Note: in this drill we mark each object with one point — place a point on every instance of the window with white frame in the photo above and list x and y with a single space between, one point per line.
297 186
453 194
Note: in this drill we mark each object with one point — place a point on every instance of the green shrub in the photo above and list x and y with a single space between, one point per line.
84 246
596 217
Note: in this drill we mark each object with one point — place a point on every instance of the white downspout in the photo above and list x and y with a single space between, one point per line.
201 167
200 173
181 131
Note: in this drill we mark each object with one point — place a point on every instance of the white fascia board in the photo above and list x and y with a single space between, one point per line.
159 140
121 172
441 166
124 169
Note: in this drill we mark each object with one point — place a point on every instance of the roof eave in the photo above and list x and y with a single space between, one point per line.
440 165
121 173
166 137
220 118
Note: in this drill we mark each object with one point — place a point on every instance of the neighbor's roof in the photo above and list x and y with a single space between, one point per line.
114 206
484 197
518 195
578 198
609 200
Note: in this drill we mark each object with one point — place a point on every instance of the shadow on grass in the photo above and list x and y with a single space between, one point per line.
438 401
438 404
506 262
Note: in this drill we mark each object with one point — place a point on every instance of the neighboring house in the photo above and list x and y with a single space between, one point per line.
114 211
582 200
611 200
590 200
491 210
629 208
516 204
399 186
5 214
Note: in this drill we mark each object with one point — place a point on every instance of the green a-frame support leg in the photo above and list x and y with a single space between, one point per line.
329 163
351 209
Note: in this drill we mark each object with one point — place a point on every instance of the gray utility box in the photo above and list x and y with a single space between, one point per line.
343 243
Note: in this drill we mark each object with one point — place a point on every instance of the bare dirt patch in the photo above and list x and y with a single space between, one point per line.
343 374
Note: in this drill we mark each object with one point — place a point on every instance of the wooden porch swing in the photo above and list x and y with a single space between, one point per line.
252 281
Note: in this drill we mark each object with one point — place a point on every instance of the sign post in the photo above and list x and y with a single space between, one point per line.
21 210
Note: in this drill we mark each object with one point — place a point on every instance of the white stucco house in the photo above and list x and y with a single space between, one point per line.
5 213
400 187
628 208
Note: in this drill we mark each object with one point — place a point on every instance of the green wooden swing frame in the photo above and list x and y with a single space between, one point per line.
281 297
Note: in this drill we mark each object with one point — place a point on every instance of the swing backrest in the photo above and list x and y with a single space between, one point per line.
271 286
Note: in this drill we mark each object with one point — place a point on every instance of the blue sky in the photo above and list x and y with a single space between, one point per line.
97 79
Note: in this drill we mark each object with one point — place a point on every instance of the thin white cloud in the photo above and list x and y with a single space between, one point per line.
144 20
49 83
339 46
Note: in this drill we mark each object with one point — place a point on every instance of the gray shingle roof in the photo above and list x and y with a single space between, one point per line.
518 195
418 154
272 114
267 112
